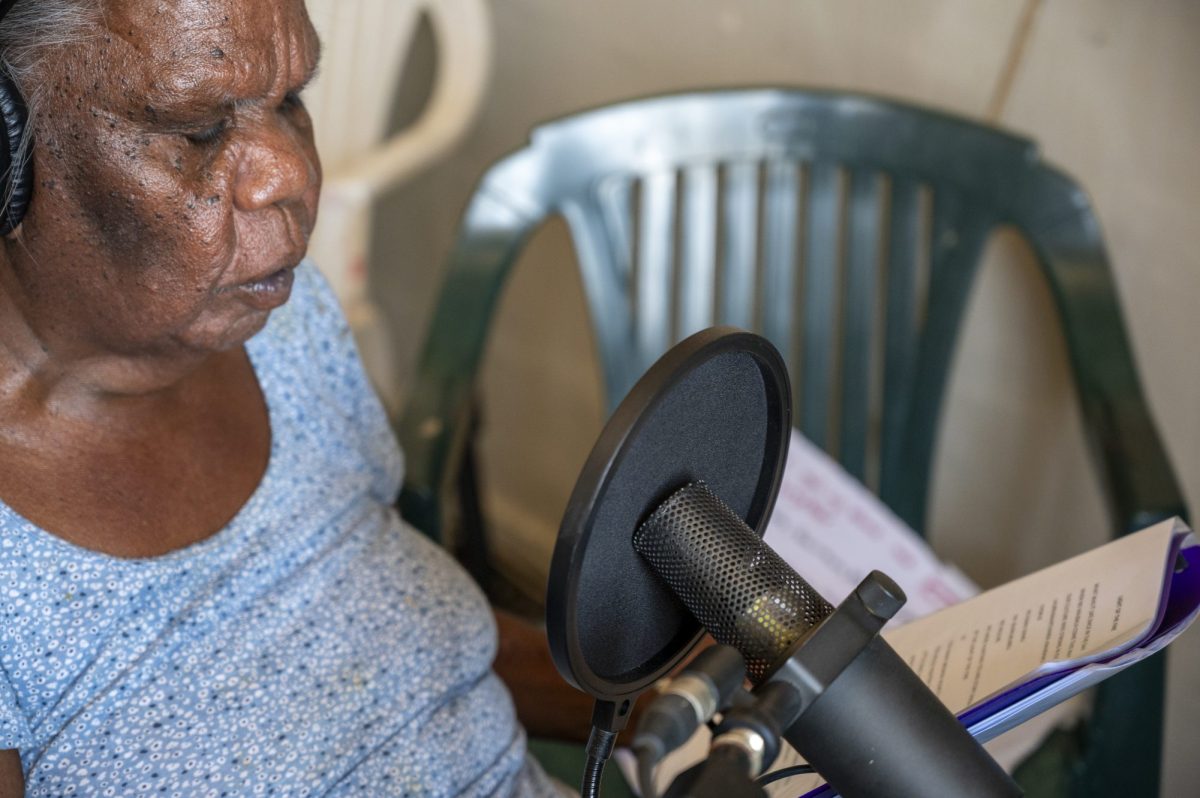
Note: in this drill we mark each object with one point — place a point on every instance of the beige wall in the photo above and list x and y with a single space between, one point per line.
1108 87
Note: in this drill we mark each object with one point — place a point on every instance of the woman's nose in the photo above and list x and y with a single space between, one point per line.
278 166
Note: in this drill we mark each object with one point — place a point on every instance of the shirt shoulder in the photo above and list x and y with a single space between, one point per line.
308 363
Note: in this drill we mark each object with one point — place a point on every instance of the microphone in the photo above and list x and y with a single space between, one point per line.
867 723
716 409
739 589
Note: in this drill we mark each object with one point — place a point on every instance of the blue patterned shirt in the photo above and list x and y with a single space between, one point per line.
315 646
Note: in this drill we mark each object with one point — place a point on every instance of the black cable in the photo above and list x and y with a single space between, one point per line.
599 749
784 773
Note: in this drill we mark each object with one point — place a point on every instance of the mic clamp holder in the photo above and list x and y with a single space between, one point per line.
724 774
745 743
867 722
690 700
757 727
820 657
749 737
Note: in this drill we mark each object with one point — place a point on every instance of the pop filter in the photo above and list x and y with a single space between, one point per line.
716 408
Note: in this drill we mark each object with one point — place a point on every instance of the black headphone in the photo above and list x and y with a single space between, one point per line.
16 165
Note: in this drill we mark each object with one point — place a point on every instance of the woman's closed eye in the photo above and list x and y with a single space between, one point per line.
292 101
208 134
293 109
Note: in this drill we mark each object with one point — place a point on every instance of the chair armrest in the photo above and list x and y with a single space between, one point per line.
462 29
341 243
1058 218
431 432
436 417
1126 441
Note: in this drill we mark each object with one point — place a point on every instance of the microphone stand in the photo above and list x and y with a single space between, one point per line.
842 662
725 774
746 742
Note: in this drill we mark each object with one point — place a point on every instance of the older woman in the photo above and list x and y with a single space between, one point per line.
203 588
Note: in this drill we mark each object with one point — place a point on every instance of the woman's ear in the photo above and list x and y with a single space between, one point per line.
16 150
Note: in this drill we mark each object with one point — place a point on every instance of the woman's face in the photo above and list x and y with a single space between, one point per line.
177 179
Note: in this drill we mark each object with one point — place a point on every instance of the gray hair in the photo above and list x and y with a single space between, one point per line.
30 30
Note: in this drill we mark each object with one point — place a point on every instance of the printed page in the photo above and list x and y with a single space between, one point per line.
834 532
1076 611
1081 609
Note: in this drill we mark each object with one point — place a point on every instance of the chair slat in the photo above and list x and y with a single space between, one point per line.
900 342
740 256
615 198
655 255
600 224
960 230
698 256
858 325
820 295
781 218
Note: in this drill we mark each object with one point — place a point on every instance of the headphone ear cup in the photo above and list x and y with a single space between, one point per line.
16 164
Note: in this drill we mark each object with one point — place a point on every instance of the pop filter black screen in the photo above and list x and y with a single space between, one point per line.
717 408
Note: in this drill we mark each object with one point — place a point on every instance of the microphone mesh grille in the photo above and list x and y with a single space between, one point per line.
735 585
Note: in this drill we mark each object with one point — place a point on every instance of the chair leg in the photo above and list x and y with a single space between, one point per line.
471 546
1117 753
1123 754
1047 772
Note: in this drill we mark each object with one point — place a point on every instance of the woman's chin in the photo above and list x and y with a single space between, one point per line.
222 334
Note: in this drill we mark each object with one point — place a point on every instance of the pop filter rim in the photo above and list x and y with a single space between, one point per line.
604 464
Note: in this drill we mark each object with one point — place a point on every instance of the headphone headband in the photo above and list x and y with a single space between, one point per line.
16 167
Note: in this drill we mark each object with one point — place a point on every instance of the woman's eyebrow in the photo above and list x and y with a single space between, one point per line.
188 88
177 98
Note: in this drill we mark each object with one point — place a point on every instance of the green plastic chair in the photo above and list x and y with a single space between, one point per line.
825 221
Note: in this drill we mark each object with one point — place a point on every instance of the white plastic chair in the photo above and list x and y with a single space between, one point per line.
365 47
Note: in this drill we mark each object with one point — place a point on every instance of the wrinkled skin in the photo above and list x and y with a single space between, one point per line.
175 171
136 225
174 166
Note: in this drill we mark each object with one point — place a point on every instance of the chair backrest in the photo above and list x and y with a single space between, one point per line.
366 46
848 230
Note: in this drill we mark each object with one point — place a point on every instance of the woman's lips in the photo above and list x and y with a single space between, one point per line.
267 292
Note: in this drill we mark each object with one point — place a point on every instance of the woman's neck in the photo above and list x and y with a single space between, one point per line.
46 361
